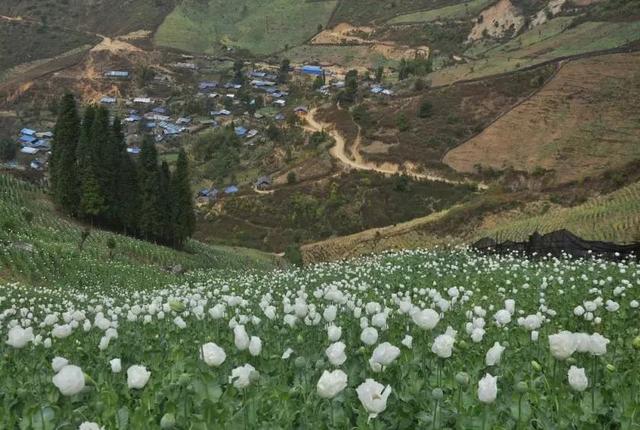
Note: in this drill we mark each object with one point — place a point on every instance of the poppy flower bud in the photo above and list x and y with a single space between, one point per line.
462 378
536 366
636 343
522 387
437 394
168 421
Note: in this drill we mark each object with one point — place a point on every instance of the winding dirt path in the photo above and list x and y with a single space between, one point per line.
356 161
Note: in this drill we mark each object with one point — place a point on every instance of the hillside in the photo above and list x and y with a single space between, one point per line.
583 122
252 25
40 247
612 217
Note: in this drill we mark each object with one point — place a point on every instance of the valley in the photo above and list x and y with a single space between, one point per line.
414 98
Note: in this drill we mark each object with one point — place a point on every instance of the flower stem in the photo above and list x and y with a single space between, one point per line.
595 380
484 417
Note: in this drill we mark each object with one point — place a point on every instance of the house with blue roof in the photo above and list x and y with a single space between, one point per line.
28 139
28 132
121 74
240 131
232 189
312 70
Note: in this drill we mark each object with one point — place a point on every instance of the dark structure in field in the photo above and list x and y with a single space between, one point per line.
558 243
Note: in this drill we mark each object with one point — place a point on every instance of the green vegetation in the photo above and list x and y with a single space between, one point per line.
461 10
41 247
443 117
8 150
551 40
347 55
22 42
414 67
94 178
613 217
312 211
252 25
363 12
108 17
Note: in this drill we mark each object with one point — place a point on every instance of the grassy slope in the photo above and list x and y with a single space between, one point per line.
35 42
459 111
258 26
360 12
56 260
109 17
456 11
613 217
547 42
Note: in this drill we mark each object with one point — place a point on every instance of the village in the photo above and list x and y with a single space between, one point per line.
197 98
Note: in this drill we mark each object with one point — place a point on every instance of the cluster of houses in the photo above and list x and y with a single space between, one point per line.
209 195
35 147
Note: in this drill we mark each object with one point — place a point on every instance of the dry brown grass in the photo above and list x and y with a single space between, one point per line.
585 121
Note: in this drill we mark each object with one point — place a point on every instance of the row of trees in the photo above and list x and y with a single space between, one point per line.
93 178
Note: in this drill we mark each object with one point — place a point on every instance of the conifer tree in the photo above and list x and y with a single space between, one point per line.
184 220
148 178
165 200
63 171
129 191
105 163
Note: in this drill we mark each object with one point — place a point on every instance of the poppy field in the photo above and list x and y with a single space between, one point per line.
405 340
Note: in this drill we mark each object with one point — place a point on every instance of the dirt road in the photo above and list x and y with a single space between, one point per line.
356 161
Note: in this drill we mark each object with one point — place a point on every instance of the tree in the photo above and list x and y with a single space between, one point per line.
291 177
184 220
92 203
63 164
425 110
318 82
111 246
128 194
165 200
7 150
348 95
402 122
379 74
283 73
238 74
149 177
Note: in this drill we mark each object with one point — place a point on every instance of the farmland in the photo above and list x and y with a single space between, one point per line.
456 11
613 217
442 339
582 123
551 40
40 247
255 26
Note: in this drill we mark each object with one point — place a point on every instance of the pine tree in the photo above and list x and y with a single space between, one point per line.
184 220
105 164
92 204
63 171
148 178
129 192
166 204
127 188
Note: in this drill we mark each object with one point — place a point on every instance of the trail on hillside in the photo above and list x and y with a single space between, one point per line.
356 161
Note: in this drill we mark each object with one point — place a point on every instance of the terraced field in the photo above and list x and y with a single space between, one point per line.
456 11
549 41
257 26
614 217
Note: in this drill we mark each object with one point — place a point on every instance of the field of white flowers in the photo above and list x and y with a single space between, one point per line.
416 339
